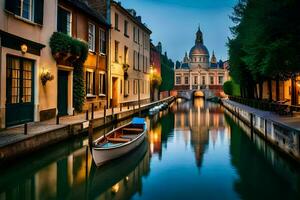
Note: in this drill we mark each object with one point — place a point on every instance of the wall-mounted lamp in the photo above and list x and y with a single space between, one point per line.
24 48
46 76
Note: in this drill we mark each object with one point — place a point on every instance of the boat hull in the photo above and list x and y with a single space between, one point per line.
101 156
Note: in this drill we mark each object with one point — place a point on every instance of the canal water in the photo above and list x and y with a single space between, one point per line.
194 150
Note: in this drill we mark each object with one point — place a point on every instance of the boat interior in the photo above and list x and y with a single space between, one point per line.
121 136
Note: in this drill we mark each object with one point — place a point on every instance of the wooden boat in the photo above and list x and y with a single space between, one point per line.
120 141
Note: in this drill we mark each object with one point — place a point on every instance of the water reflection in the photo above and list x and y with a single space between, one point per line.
193 151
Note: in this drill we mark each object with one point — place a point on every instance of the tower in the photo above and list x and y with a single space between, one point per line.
199 37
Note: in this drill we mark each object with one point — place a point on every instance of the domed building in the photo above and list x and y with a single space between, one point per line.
200 71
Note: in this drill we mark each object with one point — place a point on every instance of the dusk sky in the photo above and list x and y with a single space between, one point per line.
175 22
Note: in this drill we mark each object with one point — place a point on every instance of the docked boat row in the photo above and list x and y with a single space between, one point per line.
158 108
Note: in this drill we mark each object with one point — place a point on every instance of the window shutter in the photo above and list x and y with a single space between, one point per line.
12 6
38 11
94 83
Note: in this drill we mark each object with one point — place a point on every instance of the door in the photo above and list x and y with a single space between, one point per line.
115 93
62 93
19 90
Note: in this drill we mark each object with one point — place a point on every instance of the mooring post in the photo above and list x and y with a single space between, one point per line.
266 129
104 114
251 124
57 119
112 113
87 115
91 131
25 128
92 110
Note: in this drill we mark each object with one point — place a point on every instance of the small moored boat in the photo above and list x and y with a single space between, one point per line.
119 141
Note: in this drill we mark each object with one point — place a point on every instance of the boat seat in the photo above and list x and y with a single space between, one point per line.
123 140
131 137
133 129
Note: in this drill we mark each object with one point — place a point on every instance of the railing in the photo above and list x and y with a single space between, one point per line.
273 106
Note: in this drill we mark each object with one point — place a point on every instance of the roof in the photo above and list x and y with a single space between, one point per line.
185 66
133 18
88 10
199 49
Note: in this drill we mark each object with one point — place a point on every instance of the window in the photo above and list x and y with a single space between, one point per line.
126 28
138 36
195 80
134 34
121 86
116 51
19 81
91 37
63 21
126 88
125 54
135 86
220 80
134 59
102 85
90 86
178 80
102 38
186 80
32 10
212 80
116 21
203 80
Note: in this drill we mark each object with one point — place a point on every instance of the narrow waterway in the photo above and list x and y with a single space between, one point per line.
194 150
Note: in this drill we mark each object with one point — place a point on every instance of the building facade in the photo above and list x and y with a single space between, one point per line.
129 80
25 30
155 71
200 71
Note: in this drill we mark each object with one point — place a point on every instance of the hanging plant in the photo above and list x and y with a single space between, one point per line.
74 52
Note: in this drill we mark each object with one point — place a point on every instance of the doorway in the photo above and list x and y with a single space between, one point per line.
62 93
115 92
19 90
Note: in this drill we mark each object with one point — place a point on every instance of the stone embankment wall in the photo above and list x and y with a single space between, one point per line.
286 139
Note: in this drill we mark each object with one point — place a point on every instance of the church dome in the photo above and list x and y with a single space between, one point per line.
198 49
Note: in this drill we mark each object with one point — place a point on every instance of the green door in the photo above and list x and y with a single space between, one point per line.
19 90
62 92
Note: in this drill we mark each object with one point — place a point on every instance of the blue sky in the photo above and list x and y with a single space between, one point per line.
175 22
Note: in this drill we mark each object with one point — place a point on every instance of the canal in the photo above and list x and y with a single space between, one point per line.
194 150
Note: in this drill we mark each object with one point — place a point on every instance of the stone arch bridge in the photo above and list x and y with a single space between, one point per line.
189 94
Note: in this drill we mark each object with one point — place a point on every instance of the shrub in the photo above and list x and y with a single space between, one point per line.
228 87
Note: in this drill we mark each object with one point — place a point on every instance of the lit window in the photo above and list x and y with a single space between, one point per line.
91 37
90 83
102 85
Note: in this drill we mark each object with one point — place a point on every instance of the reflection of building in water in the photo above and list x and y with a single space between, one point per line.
154 136
202 121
